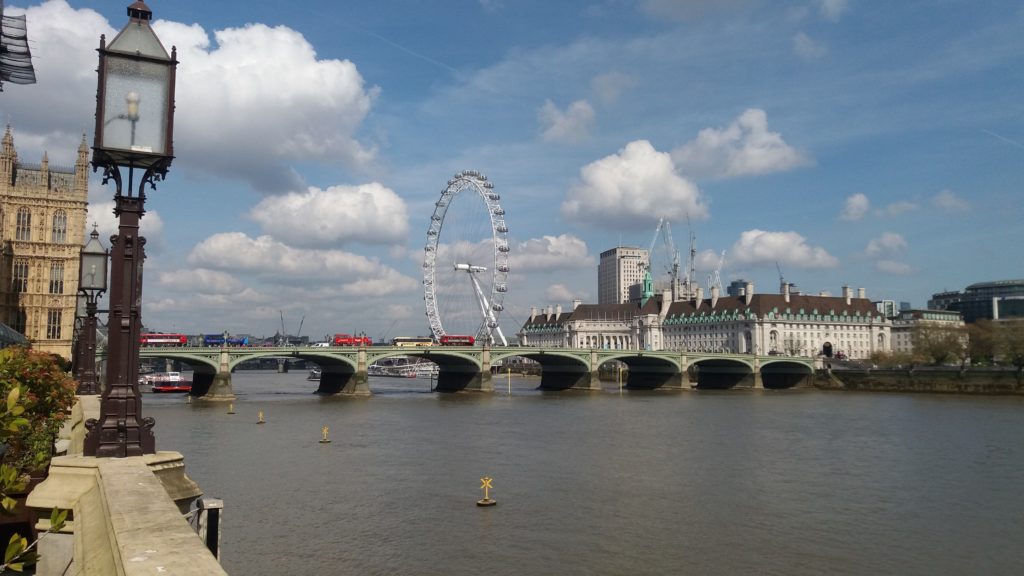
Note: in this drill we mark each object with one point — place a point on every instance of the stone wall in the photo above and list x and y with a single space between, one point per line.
923 379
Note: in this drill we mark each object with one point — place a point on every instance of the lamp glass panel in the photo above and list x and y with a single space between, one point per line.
93 275
135 105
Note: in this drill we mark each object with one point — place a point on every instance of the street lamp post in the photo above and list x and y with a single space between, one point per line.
92 282
134 126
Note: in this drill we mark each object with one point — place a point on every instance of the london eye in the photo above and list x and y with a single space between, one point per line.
465 264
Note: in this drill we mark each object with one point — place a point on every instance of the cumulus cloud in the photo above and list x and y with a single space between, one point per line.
808 48
200 280
609 87
257 98
558 293
368 213
550 253
947 200
856 207
275 262
151 225
571 126
886 243
743 148
832 9
897 209
788 248
249 102
630 188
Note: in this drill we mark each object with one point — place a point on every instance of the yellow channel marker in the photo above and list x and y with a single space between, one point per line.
485 485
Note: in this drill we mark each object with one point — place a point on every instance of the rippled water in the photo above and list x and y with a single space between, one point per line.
603 483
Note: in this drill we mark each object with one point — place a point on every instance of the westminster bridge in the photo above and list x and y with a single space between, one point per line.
344 369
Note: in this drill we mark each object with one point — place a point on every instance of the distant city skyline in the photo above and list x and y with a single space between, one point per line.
869 144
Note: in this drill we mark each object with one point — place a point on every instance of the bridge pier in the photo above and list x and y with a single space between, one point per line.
282 365
219 389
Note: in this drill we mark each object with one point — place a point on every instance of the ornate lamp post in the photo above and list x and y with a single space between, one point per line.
134 126
92 282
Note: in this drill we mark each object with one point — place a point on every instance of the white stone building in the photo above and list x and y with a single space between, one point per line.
618 269
903 325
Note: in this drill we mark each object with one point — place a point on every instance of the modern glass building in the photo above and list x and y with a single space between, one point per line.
997 300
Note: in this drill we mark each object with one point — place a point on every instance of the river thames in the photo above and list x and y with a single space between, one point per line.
792 482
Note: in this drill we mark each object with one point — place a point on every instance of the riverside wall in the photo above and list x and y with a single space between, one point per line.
949 380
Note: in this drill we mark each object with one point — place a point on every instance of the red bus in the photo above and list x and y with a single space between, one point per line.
350 340
163 340
453 340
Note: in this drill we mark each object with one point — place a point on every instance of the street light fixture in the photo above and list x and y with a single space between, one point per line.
92 282
134 128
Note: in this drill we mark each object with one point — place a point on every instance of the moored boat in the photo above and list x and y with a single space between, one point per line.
166 382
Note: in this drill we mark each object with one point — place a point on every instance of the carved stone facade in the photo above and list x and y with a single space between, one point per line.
42 230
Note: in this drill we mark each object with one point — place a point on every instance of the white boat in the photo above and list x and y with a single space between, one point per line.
314 373
427 369
166 382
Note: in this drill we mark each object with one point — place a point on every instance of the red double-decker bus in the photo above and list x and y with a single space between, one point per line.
350 340
163 340
454 340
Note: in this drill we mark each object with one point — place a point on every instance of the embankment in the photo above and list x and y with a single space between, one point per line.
951 380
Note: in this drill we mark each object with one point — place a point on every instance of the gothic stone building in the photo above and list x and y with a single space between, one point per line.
42 230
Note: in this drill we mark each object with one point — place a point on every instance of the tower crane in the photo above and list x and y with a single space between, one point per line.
715 279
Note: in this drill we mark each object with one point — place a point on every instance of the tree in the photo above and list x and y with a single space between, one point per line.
1011 342
938 344
982 341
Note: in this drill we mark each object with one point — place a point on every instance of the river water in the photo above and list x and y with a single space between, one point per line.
605 483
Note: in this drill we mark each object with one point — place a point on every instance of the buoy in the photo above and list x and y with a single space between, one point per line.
485 485
324 440
261 420
231 408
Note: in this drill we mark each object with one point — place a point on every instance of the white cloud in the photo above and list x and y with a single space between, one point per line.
856 207
807 48
201 281
258 98
368 213
608 87
631 189
897 209
690 10
788 248
550 253
885 244
893 267
743 148
947 200
275 262
832 9
571 126
559 293
151 225
247 106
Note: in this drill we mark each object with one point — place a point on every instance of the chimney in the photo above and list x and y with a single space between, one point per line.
576 303
714 296
533 313
548 312
785 292
860 293
748 293
698 297
666 301
847 294
558 311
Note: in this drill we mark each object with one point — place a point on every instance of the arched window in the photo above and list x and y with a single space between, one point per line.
23 229
56 278
19 279
60 228
53 318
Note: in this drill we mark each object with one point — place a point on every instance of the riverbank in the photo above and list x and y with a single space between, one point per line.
950 380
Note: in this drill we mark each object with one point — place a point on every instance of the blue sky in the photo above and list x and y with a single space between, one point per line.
870 144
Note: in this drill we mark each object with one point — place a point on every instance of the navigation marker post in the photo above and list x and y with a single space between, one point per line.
324 440
485 485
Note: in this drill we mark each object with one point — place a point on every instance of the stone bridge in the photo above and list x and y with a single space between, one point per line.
344 369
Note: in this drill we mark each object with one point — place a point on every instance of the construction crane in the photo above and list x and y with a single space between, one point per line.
715 278
663 231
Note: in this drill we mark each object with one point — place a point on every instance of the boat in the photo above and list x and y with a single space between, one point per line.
400 367
166 382
427 369
314 373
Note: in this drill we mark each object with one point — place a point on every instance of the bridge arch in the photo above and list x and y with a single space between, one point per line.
782 373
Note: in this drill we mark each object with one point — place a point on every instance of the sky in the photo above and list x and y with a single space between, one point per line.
856 143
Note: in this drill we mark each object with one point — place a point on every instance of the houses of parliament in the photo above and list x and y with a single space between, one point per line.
42 230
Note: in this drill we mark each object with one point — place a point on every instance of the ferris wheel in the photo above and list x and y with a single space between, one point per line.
465 264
